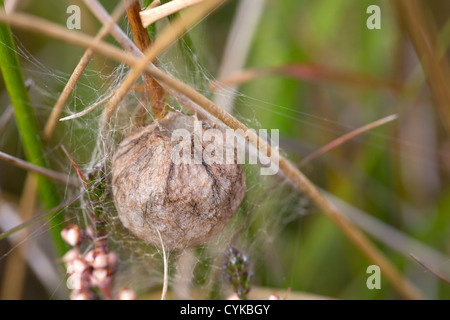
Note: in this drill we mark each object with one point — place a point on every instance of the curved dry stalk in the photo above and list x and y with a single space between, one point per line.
86 111
55 176
153 14
400 283
167 37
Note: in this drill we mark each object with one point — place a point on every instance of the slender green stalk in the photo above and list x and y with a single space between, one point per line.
28 127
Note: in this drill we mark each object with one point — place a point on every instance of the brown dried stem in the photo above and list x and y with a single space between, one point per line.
401 284
142 40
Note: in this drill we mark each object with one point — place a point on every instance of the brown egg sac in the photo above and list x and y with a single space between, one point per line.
188 203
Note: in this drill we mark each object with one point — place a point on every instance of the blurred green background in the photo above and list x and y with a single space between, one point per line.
396 173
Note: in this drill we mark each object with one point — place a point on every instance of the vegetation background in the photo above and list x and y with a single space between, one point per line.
397 173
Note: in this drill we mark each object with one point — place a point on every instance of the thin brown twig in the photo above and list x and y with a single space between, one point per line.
400 283
56 176
86 111
142 40
346 137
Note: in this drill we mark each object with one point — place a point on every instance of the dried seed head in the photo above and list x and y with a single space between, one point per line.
77 265
97 258
274 296
112 261
126 294
82 295
71 255
100 278
79 281
233 296
90 232
187 203
90 256
72 234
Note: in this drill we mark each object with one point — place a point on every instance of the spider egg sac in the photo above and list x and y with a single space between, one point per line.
187 203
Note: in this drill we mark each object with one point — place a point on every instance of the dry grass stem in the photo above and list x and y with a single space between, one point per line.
86 111
401 284
153 14
142 40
